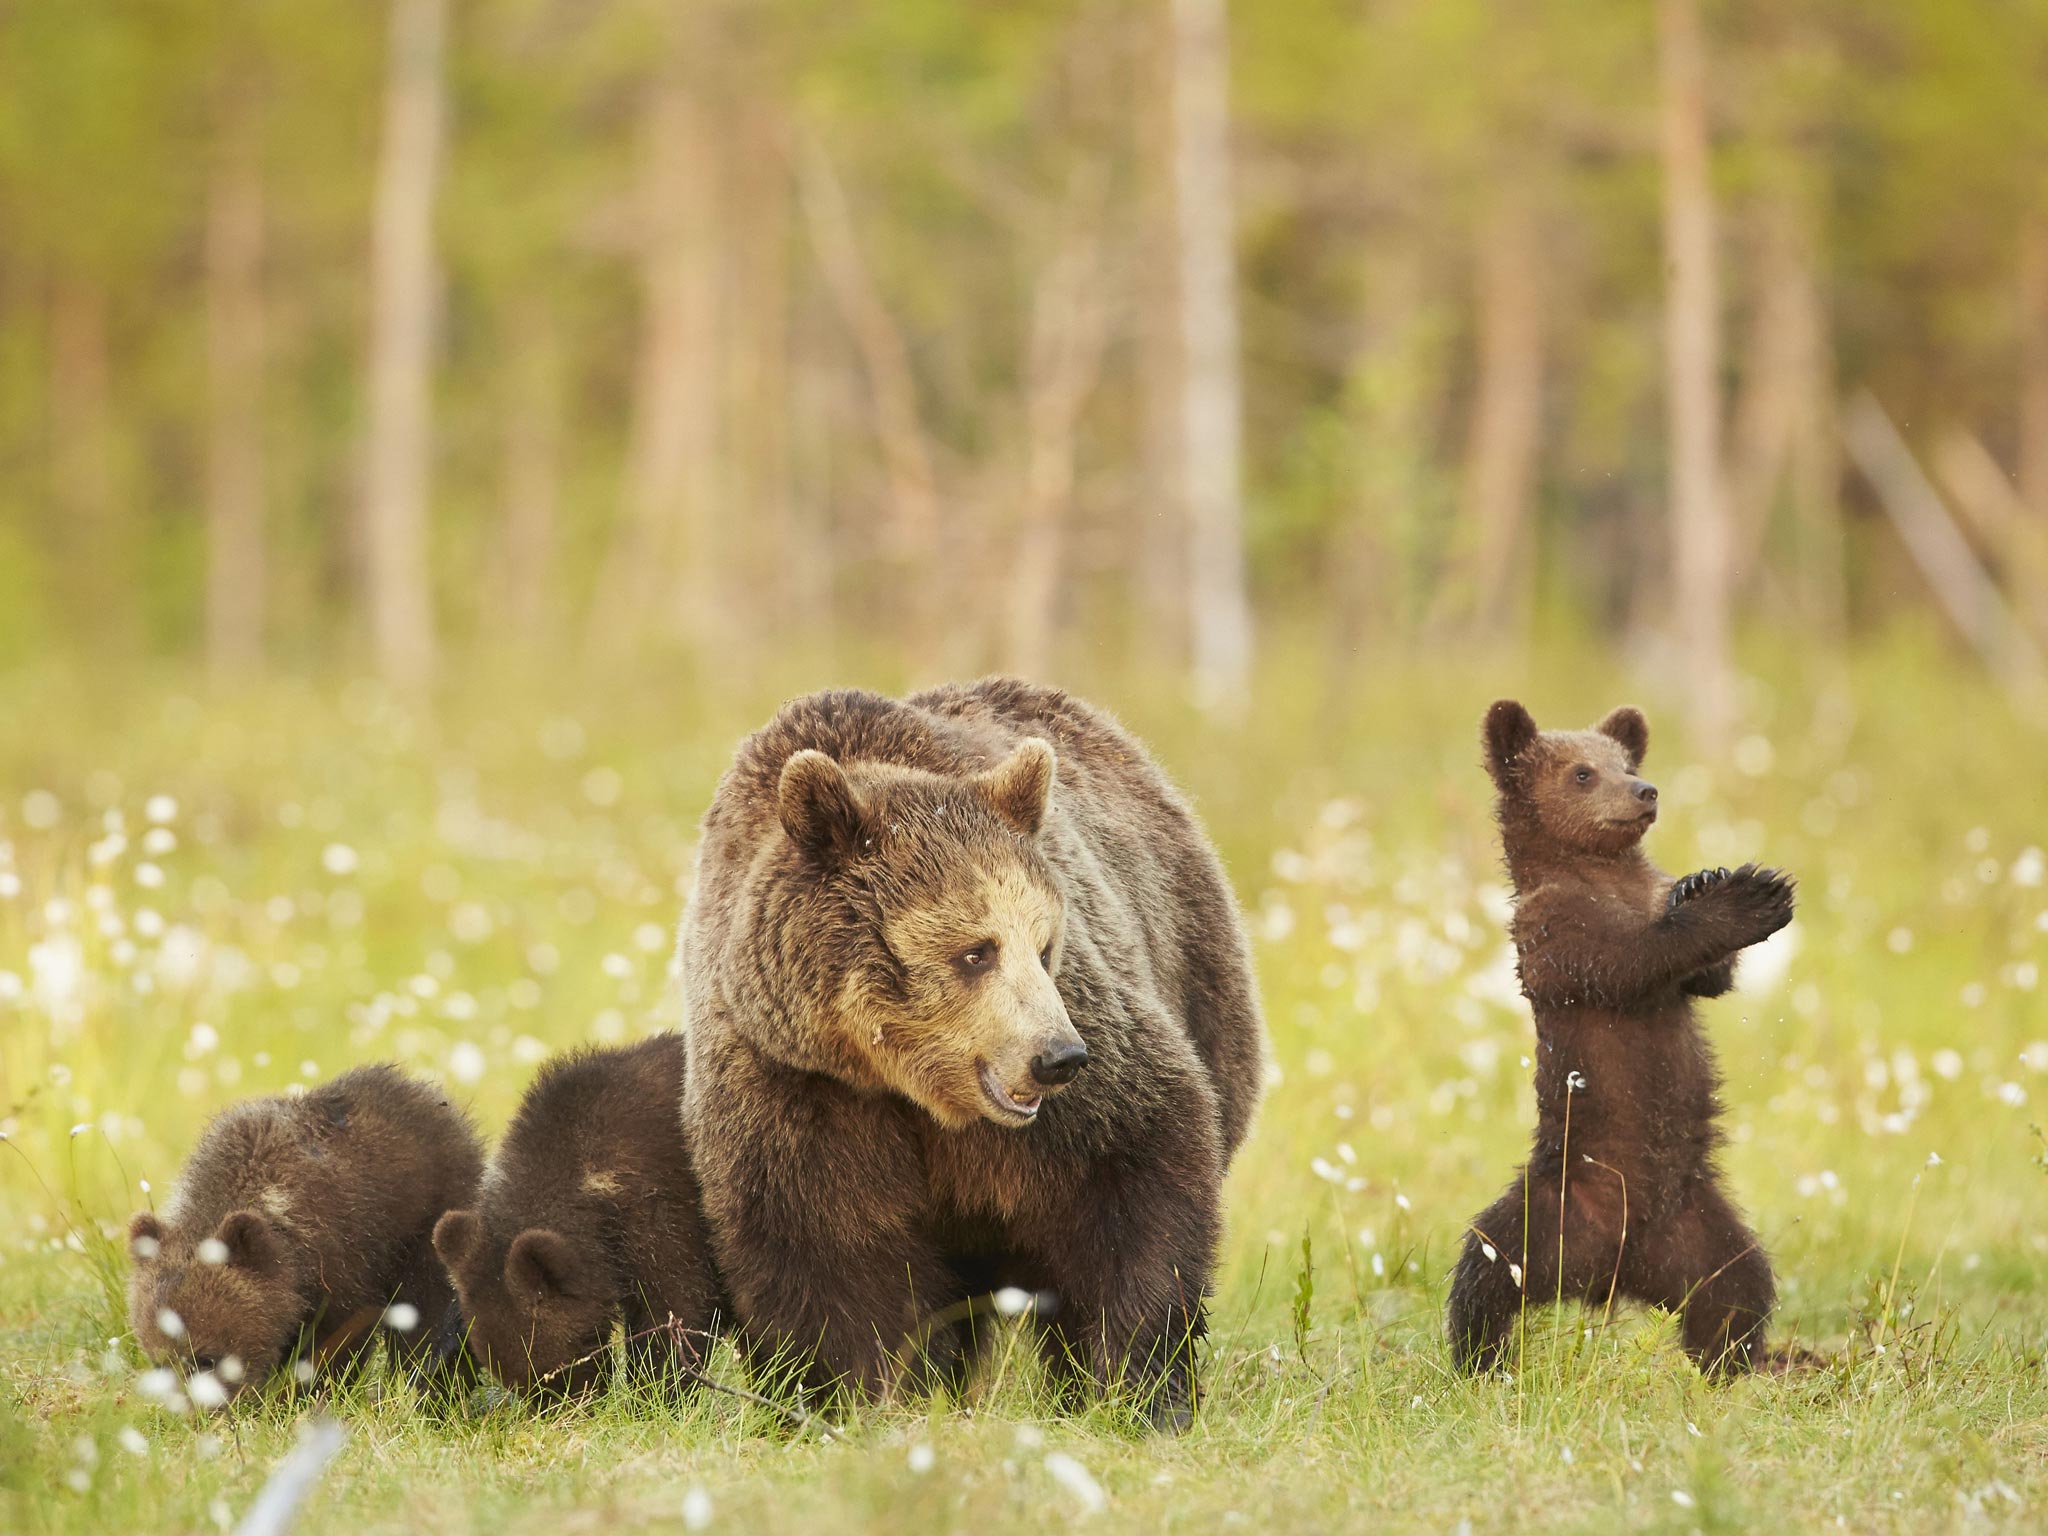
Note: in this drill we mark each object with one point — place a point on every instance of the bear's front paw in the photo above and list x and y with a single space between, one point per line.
1762 898
1685 887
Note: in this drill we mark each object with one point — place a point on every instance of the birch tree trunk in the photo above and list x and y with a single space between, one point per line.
1068 323
1211 409
1507 422
2031 547
1156 546
236 547
1700 537
402 320
523 597
660 553
95 557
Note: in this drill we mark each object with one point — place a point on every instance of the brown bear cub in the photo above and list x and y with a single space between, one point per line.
1621 1194
970 1007
589 1217
301 1229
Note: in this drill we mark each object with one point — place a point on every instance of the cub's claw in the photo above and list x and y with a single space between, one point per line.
1686 887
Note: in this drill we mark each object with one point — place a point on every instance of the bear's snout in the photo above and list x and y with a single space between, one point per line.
1060 1063
1646 792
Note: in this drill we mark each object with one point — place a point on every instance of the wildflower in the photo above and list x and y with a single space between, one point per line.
921 1458
403 1316
1681 1498
466 1062
158 1384
1490 1251
339 859
205 1389
1934 1159
696 1509
230 1369
1014 1301
212 1251
149 876
1574 1081
169 1324
1515 1273
133 1440
1078 1481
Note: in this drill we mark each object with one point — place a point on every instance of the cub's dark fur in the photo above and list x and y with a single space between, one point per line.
970 1006
590 1216
295 1225
1611 955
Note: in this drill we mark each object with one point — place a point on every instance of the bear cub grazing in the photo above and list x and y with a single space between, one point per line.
589 1216
1621 1194
299 1225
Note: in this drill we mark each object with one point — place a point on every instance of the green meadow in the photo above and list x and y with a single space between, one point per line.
207 896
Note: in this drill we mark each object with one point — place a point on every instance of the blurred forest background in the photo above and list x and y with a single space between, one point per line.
394 334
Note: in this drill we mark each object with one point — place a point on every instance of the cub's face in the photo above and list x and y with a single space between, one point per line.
954 923
1583 786
536 1313
221 1305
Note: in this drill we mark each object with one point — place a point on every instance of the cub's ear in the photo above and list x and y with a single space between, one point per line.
1019 788
1509 730
1627 726
543 1263
251 1241
145 1235
820 810
456 1236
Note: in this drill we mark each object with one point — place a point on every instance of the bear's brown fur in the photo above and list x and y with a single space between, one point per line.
299 1226
1621 1194
590 1216
970 1006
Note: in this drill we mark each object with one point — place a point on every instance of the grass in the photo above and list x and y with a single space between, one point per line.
341 879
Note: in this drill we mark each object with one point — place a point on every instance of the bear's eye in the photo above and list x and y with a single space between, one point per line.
206 1362
1045 957
1583 774
978 958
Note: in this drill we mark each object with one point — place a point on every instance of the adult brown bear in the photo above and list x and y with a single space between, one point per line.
970 1006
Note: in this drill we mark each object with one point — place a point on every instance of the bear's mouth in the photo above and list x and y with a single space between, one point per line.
1008 1108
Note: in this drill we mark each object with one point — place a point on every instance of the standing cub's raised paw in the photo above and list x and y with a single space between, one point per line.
1764 895
1685 887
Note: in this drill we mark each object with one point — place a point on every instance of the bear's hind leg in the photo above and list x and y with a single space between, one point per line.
1534 1260
1706 1264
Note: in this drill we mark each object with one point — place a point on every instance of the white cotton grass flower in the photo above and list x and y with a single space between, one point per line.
466 1062
697 1509
339 859
1030 1437
1934 1159
80 1129
921 1458
160 809
1574 1081
1515 1273
205 1390
169 1324
302 1372
1490 1251
1014 1301
1682 1499
1078 1481
212 1250
132 1440
157 1383
145 1247
403 1316
230 1369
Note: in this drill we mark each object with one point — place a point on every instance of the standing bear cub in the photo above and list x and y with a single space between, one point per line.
970 1007
1621 1194
589 1217
302 1227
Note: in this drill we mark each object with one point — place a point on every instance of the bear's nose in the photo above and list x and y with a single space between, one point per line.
1647 793
1061 1064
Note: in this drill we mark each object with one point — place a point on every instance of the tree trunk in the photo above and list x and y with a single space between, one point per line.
783 560
913 533
523 597
1156 550
1507 420
2031 562
1211 412
1068 322
661 551
236 547
1700 538
93 550
402 321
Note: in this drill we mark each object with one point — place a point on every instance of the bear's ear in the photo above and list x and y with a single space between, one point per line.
456 1236
1509 730
1019 788
250 1240
1628 727
145 1235
542 1263
820 810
